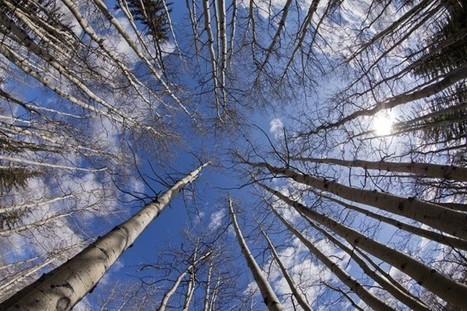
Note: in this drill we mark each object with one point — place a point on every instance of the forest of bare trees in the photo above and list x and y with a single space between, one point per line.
327 139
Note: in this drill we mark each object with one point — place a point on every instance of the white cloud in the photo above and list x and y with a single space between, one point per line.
83 305
276 128
216 219
266 8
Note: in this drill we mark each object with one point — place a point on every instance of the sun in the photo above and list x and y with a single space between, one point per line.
383 123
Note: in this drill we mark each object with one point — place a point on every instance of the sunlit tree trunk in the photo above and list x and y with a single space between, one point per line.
269 297
421 169
189 291
369 299
446 288
293 288
165 300
208 288
63 287
436 216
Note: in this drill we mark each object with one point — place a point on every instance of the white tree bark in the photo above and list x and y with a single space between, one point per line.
4 288
293 288
444 219
367 297
118 26
432 235
442 286
189 291
56 166
421 169
63 287
269 297
208 286
303 32
401 295
171 291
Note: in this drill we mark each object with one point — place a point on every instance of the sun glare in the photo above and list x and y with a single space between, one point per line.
382 124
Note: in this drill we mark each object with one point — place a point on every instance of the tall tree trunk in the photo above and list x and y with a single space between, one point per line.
189 291
432 235
446 288
401 295
65 286
208 286
171 291
367 297
436 216
421 169
293 288
269 297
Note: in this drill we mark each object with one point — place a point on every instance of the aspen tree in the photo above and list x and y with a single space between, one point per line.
446 220
65 286
269 297
420 169
293 288
164 303
400 294
367 297
442 286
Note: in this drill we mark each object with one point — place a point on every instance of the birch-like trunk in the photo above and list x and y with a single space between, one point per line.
442 286
65 286
293 288
401 295
269 297
367 297
171 291
420 169
189 291
208 285
438 217
432 235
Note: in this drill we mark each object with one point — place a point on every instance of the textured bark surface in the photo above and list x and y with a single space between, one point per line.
436 216
65 286
269 297
444 287
367 297
432 235
421 169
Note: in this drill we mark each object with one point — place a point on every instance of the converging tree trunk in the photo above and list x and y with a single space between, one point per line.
446 220
420 169
355 286
65 286
269 297
165 300
293 288
444 287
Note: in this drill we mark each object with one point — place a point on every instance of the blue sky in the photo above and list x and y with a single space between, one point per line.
123 117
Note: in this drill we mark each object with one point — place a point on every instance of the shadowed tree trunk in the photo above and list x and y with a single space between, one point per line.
446 220
400 294
269 297
446 288
367 297
421 169
65 286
